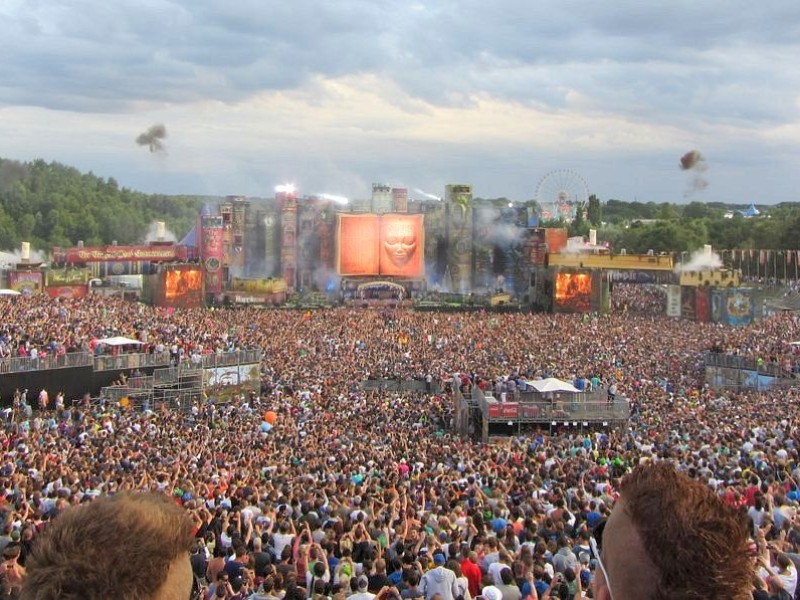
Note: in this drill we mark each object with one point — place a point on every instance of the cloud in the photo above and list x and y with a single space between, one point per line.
422 92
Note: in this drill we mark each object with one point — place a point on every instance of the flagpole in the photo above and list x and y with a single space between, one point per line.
747 268
775 266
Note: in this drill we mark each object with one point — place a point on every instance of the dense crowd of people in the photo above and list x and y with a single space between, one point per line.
352 493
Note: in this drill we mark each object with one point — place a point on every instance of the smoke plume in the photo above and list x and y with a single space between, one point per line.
694 161
9 259
11 171
704 259
152 234
153 138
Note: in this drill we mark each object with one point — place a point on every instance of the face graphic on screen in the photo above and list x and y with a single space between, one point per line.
400 242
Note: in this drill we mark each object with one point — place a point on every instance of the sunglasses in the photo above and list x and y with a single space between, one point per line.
596 545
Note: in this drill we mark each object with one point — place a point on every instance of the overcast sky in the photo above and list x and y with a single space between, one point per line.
333 96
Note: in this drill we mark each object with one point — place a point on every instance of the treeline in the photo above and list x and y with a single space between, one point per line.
639 227
50 204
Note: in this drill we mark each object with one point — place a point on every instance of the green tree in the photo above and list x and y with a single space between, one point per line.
594 211
697 210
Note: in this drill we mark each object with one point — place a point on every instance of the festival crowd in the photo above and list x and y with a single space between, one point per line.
355 494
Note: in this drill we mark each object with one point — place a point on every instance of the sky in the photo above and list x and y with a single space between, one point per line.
333 96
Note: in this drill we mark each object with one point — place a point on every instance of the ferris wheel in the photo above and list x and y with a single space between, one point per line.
561 193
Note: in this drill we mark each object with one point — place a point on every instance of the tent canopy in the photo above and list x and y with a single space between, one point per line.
551 384
119 341
7 292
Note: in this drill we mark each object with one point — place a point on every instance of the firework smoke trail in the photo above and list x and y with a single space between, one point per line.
696 162
153 138
426 194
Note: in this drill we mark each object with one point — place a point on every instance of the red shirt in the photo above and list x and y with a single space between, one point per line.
473 574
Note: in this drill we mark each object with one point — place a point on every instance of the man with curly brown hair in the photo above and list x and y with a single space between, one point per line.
671 537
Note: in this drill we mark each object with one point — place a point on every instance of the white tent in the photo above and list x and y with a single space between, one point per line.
7 292
119 341
551 384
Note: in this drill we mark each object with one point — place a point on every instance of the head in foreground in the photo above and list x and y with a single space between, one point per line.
124 546
671 537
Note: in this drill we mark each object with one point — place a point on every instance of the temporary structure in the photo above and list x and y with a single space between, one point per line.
119 341
551 384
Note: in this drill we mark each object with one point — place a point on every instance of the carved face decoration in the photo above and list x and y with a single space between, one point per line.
400 242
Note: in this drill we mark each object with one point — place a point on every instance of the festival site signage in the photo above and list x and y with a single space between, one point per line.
389 245
67 277
26 282
67 291
212 252
673 301
121 253
739 306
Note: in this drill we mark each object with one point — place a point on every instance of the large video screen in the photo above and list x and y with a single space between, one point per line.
183 287
391 245
573 292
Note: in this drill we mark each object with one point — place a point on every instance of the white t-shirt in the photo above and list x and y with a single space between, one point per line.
281 541
789 580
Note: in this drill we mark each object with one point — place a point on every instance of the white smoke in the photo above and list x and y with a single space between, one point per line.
10 259
701 260
492 228
334 198
152 234
427 195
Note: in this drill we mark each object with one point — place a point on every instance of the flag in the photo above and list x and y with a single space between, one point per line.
762 257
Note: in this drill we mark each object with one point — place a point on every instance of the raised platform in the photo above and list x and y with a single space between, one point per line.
584 409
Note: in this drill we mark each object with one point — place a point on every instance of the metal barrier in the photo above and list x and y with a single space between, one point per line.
166 376
229 359
140 383
70 360
399 385
122 362
115 393
730 361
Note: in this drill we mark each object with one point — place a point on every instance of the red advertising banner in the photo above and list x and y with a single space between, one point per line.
702 306
120 253
26 282
556 239
212 252
67 291
504 410
390 245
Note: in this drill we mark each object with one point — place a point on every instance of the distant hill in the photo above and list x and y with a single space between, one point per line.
50 204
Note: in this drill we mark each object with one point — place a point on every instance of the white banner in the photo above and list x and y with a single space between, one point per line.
673 301
233 375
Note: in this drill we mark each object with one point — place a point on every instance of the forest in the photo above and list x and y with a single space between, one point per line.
50 204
